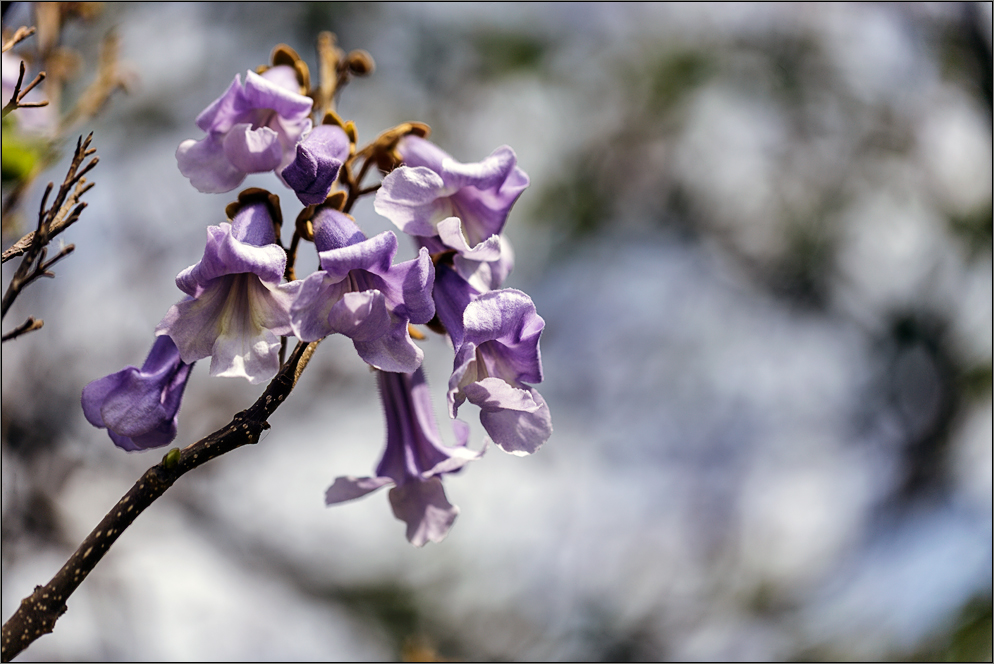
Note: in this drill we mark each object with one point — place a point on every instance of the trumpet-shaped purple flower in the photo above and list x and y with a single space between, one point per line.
237 308
358 292
497 357
414 460
138 406
251 128
319 158
463 207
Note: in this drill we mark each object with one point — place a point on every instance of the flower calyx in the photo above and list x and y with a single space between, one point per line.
254 195
304 224
285 55
383 151
333 118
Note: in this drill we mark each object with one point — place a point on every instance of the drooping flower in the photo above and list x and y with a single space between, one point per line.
138 407
462 207
496 359
319 157
452 294
251 128
358 292
237 308
414 460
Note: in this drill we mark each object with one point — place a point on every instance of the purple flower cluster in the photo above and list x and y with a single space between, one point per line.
358 292
238 303
460 210
259 126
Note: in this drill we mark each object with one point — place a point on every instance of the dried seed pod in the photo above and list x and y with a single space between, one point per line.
360 63
285 55
350 131
420 129
303 76
333 118
336 199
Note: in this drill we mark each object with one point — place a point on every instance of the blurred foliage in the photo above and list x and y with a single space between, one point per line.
969 639
793 61
399 612
22 155
965 55
319 16
802 275
976 382
504 53
976 230
603 638
675 75
925 395
580 203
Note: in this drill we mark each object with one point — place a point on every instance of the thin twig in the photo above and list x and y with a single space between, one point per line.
291 256
355 195
18 95
20 35
64 211
32 104
111 77
329 57
38 612
363 171
30 325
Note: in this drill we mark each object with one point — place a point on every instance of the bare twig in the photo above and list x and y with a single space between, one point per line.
31 86
111 77
18 95
30 325
363 171
355 193
38 612
20 35
63 212
291 256
329 59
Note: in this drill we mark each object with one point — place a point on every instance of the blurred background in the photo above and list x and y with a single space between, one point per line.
761 239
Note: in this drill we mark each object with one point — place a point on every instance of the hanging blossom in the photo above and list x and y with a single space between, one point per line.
138 407
498 357
461 209
237 308
257 127
358 292
453 206
496 339
319 157
414 460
